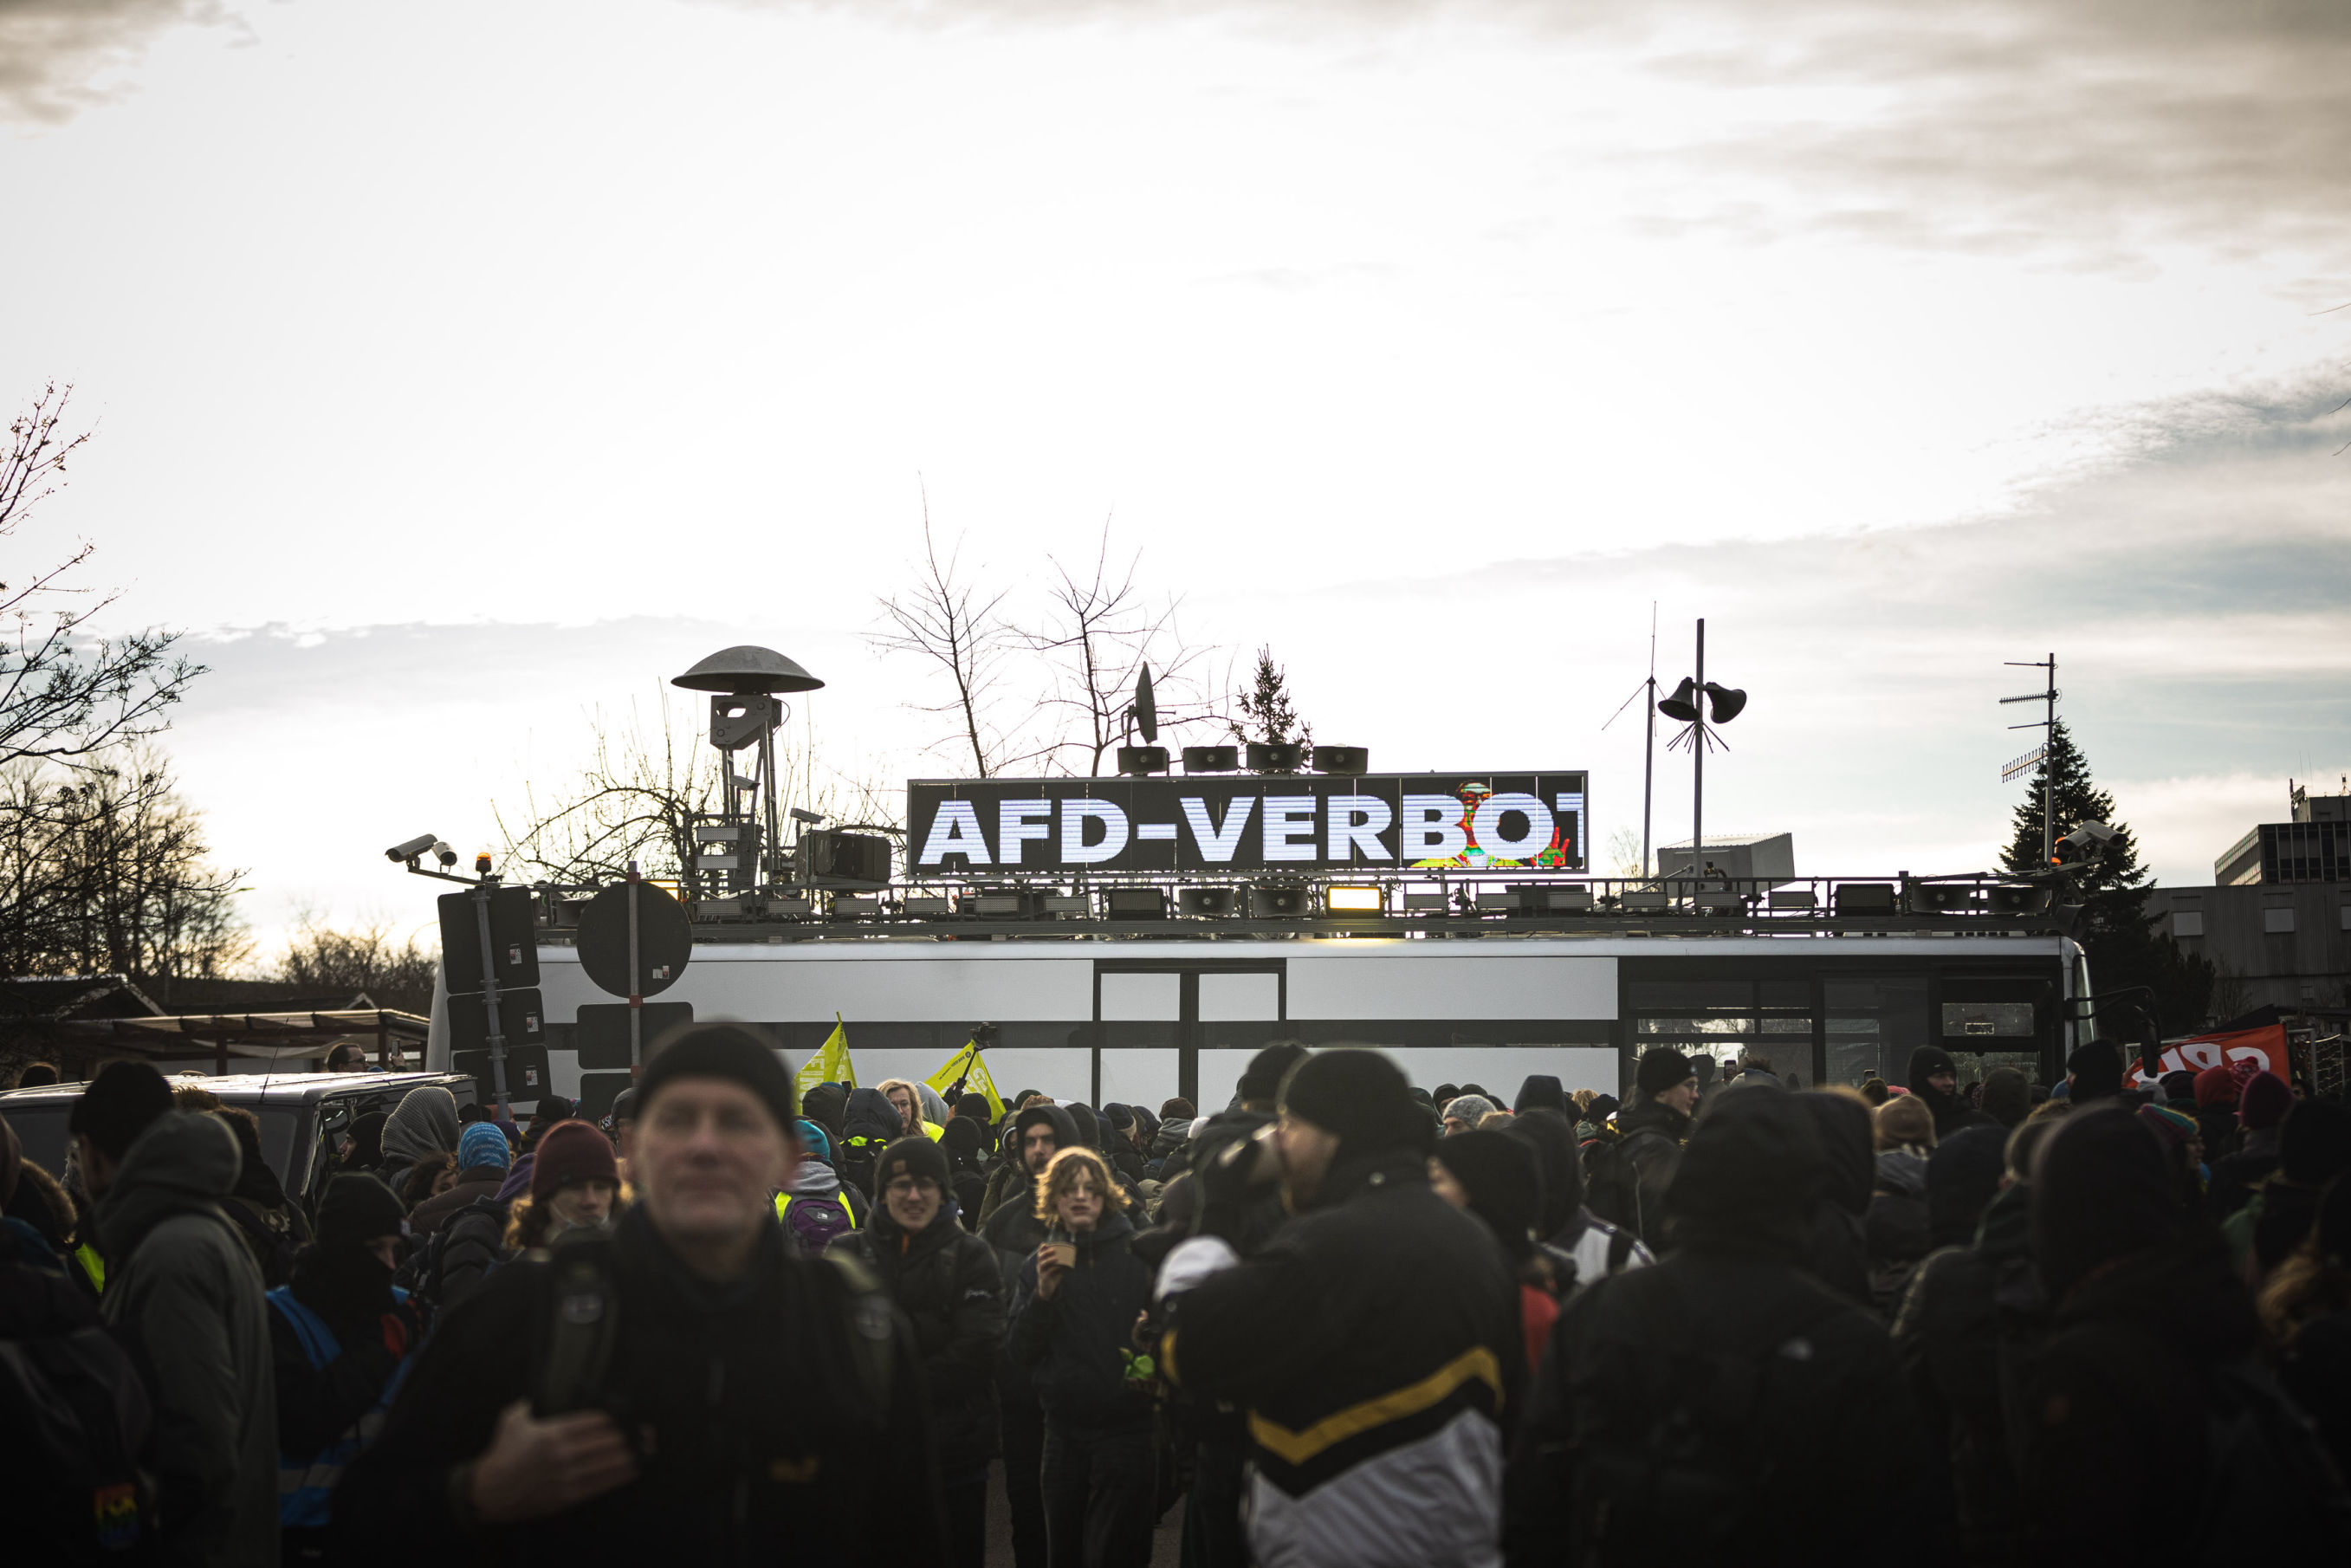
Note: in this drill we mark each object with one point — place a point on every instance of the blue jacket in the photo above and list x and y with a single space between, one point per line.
305 1482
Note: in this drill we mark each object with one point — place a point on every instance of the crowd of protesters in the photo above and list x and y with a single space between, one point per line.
1339 1321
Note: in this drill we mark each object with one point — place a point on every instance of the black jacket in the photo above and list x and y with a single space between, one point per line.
757 1437
1649 1145
1835 1254
945 1280
1968 1328
1374 1342
1687 1413
1081 1343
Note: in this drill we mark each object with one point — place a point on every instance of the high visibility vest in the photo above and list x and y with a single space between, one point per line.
933 1132
856 1220
92 1265
306 1486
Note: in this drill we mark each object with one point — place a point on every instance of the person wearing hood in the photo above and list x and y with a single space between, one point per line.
1015 1230
1599 1477
1894 1228
2149 1337
363 1150
1175 1118
827 1106
1640 1161
1498 1178
1118 1125
966 1172
2007 1097
1374 1342
424 1122
2259 1106
1972 1317
1072 1326
182 1289
869 1124
945 1280
1578 1246
465 1226
340 1336
1934 1083
1837 1252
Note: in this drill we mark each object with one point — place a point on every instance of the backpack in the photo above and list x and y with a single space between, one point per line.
856 1155
2270 1486
813 1223
423 1274
1612 1188
73 1419
268 1234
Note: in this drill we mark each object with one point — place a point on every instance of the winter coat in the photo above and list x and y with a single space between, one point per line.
1684 1413
2235 1178
756 1426
182 1283
1170 1137
1375 1343
2317 1371
1895 1230
2122 1379
1012 1227
477 1242
481 1181
1972 1318
1836 1252
945 1280
1079 1344
1649 1137
1009 1181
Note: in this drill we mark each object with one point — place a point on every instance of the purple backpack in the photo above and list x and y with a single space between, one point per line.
814 1223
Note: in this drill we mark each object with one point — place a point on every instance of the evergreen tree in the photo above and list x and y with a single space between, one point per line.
2115 932
1266 711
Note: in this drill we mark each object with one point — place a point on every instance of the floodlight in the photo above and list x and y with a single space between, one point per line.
1136 903
1354 901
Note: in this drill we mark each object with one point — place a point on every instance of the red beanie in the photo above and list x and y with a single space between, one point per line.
570 1152
2215 1086
2265 1102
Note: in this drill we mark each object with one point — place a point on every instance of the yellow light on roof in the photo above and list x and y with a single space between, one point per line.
1354 901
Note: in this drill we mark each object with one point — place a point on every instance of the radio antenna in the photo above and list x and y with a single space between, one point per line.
1649 756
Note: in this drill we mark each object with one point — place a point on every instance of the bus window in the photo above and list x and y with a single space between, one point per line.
1873 1025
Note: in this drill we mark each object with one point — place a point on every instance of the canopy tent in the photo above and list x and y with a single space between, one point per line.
270 1037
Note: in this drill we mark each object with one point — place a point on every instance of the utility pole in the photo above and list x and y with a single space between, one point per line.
1697 777
1649 756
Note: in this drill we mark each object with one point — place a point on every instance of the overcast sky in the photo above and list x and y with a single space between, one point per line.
459 372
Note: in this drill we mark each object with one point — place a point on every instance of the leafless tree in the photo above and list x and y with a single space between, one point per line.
641 793
1101 632
104 870
322 959
960 630
66 694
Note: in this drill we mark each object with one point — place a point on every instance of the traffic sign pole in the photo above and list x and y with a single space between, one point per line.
636 979
482 891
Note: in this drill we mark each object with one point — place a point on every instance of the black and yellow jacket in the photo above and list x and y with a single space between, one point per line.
1374 1344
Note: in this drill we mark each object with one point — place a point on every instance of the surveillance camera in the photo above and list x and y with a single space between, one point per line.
444 854
2088 834
411 848
810 817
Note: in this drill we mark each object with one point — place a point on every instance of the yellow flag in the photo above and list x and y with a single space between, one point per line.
830 1064
968 1065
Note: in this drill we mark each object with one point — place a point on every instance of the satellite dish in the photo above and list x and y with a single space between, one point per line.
1727 702
1683 704
1146 709
745 669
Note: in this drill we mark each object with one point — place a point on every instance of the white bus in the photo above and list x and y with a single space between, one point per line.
1139 1019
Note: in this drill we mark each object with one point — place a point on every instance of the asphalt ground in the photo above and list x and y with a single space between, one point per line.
1167 1545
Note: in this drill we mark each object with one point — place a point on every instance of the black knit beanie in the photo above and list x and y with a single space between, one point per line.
2096 1070
1359 1096
122 1102
914 1157
357 1209
1266 1069
733 1051
1661 1067
1504 1181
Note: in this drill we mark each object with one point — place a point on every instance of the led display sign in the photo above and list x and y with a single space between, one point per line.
1304 823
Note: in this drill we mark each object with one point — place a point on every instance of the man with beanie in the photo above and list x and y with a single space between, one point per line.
1935 1082
1373 1341
1676 1401
1628 1176
1014 1231
482 1161
946 1280
183 1288
340 1333
2007 1097
682 1390
1463 1112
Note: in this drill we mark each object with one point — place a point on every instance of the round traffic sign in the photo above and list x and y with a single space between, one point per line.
664 940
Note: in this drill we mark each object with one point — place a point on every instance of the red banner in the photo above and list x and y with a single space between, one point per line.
2263 1047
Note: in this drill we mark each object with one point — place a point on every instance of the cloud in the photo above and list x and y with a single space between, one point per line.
58 57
